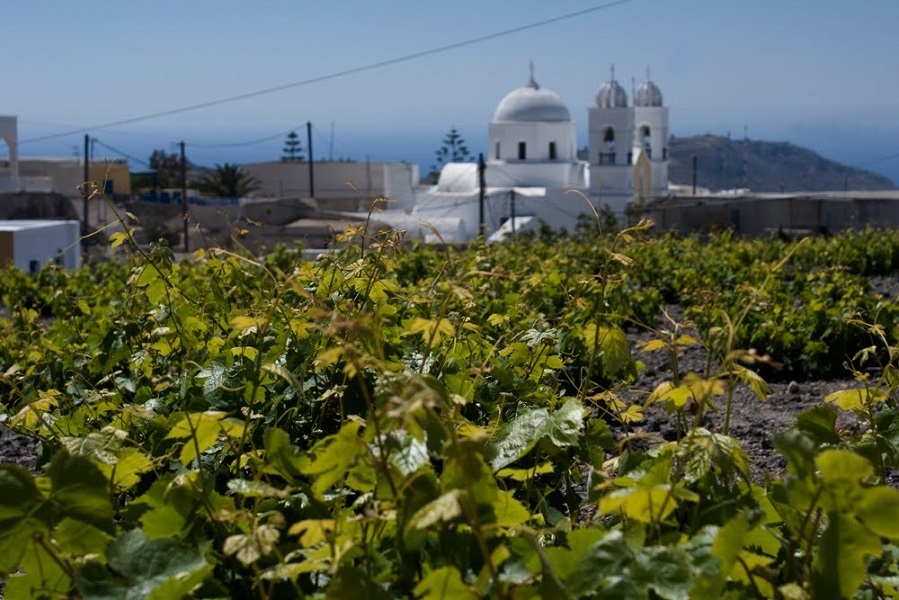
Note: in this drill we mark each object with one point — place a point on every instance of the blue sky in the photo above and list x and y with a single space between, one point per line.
818 73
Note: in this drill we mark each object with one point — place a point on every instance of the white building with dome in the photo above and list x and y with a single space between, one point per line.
532 173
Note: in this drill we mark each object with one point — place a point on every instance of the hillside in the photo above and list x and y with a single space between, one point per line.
724 163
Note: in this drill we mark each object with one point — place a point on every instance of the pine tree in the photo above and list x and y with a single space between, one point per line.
453 149
293 148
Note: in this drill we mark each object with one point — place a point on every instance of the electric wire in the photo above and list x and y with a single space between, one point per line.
337 74
121 153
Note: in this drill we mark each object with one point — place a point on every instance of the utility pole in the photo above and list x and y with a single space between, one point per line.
311 170
481 185
87 176
512 209
694 174
184 204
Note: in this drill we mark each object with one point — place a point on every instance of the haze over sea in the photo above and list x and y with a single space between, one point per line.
817 73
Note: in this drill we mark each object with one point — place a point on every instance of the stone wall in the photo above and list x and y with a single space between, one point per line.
36 205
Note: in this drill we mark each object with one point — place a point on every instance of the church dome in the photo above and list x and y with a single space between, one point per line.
611 95
648 94
532 103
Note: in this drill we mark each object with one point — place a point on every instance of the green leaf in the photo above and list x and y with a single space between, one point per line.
16 536
819 422
129 465
755 382
352 583
102 445
508 511
843 465
856 399
117 239
647 504
333 456
80 490
444 583
566 424
281 456
203 429
137 567
665 570
18 492
603 560
519 436
445 509
726 548
653 345
249 548
431 331
255 489
839 567
79 537
614 348
798 449
878 509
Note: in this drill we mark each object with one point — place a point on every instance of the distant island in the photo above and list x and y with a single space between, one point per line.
724 163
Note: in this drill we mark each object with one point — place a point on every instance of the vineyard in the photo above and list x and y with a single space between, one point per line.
406 421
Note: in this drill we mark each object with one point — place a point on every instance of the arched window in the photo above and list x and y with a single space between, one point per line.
5 155
497 150
607 154
646 140
6 166
552 151
522 151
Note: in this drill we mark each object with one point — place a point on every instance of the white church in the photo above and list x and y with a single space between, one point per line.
533 175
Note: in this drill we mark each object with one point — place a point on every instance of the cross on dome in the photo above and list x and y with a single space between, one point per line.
531 81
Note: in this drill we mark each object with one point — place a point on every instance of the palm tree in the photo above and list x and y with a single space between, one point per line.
228 181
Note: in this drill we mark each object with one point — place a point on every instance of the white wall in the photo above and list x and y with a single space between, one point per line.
36 243
334 179
536 136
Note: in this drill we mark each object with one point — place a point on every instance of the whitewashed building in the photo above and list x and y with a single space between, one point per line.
532 173
32 244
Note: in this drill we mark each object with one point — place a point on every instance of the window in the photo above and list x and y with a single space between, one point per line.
646 140
522 151
497 150
552 151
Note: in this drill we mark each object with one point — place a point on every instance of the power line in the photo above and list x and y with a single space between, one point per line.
269 138
121 153
337 74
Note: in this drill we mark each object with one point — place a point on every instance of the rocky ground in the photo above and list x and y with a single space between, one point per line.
753 422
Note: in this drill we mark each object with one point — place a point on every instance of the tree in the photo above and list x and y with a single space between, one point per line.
168 168
453 149
228 181
293 148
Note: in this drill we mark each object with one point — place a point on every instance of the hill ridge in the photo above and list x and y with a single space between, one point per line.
724 163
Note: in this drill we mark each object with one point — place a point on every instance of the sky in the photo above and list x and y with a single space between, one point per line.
818 73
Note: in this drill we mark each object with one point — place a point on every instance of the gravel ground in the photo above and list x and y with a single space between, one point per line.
753 422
